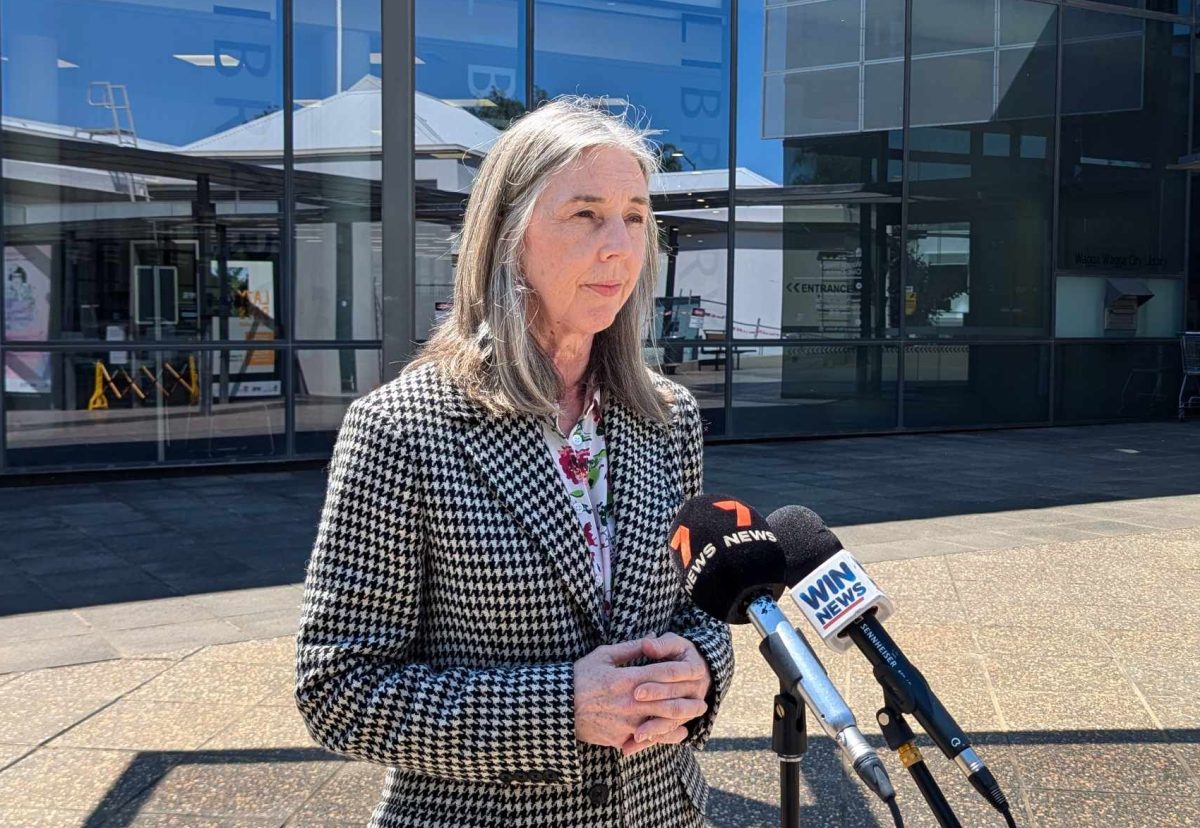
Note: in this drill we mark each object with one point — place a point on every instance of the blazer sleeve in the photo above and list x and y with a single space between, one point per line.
710 635
359 688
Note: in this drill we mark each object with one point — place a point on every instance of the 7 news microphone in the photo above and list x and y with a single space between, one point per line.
844 605
733 569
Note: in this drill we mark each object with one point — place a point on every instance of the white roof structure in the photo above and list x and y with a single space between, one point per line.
347 123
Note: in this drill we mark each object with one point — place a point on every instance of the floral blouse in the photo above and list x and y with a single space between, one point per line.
582 461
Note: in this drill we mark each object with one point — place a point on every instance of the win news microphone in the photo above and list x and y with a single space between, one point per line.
844 605
733 569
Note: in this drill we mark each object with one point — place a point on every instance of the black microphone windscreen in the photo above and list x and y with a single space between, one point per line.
805 539
726 554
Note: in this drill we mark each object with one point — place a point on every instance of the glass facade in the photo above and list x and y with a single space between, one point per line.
875 215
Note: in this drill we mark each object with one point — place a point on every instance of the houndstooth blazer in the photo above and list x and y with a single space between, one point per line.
450 592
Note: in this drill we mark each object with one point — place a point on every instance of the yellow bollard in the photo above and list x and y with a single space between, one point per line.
98 399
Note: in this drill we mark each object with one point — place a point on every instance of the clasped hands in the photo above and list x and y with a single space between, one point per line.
632 708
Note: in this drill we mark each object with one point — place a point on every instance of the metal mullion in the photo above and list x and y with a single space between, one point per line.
731 212
398 213
530 9
1187 202
3 316
1055 207
905 175
287 245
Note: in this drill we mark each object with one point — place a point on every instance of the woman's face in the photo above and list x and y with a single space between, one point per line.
586 242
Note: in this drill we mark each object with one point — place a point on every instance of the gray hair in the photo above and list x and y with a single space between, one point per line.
486 344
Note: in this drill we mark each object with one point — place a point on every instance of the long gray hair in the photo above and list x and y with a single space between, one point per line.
486 344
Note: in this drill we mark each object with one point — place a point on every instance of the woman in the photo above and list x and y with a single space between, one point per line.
490 608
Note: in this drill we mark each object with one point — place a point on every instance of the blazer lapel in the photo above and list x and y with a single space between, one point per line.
518 470
646 491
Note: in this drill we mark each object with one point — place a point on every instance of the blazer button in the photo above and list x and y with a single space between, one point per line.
598 794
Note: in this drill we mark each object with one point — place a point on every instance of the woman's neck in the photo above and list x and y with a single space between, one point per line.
570 354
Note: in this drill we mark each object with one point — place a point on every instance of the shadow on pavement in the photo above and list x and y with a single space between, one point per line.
838 799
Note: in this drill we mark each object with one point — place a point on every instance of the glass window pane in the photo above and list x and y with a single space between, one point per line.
665 60
698 367
952 89
822 389
957 385
813 34
327 381
82 409
1183 7
338 141
1125 105
1099 306
952 25
136 177
1116 380
815 102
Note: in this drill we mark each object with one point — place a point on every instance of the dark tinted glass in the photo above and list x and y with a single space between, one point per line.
1105 381
815 390
957 385
1168 6
1124 126
978 237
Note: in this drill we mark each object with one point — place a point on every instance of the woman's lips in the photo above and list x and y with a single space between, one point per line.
607 289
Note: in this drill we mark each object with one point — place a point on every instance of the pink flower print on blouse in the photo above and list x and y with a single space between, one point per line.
574 463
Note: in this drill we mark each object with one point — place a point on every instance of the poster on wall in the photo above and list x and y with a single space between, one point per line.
27 316
252 294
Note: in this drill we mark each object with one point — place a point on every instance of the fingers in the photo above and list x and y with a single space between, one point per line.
674 733
658 730
665 672
620 653
654 691
681 710
667 646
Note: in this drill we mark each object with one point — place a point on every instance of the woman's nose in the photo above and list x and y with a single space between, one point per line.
616 241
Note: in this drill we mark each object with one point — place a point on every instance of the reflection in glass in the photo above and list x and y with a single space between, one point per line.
142 185
338 147
1118 380
1124 128
821 389
979 219
144 407
961 385
327 381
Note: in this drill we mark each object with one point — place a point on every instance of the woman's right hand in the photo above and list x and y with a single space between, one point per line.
606 712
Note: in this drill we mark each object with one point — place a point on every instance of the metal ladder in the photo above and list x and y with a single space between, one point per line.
115 98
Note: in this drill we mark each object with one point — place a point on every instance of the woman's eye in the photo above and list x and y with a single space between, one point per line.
637 219
586 214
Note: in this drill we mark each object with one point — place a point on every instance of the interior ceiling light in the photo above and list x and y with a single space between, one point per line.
468 102
308 101
228 61
66 64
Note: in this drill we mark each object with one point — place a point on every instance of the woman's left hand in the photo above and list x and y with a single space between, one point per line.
668 647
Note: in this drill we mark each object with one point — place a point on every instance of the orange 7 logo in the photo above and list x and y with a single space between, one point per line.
682 543
740 509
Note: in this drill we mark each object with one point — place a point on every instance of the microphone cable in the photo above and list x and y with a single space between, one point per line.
895 809
1008 818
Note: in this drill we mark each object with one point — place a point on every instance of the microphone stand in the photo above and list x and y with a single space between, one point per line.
900 738
789 740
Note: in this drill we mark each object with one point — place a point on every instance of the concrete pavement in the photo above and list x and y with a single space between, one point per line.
1042 578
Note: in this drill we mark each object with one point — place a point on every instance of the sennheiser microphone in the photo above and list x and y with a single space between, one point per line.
733 569
844 605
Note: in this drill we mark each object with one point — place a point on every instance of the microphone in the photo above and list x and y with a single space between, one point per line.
733 569
844 605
